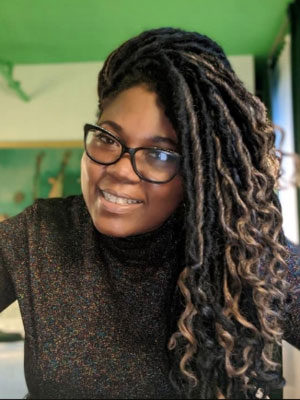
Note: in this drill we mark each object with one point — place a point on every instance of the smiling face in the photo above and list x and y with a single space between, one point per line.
135 117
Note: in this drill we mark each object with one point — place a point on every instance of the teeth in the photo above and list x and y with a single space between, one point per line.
118 200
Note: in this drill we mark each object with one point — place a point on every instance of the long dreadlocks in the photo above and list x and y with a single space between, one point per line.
233 281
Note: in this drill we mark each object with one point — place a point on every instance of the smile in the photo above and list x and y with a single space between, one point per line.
118 200
117 205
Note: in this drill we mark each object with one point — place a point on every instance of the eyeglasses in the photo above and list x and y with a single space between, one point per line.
151 164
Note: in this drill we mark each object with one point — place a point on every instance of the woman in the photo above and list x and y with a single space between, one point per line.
169 276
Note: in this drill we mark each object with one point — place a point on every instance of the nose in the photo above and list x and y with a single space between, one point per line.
123 170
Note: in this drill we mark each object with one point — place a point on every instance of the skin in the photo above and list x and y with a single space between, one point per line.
138 112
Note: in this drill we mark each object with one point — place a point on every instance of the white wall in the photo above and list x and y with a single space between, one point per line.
282 115
245 69
63 98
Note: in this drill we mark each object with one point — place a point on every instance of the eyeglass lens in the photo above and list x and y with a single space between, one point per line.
153 164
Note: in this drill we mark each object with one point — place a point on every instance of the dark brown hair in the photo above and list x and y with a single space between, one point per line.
233 280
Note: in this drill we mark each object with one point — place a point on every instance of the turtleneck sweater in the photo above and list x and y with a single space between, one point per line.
96 309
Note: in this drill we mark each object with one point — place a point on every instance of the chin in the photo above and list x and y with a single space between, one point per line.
110 230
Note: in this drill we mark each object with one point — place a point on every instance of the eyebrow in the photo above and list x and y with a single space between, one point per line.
155 139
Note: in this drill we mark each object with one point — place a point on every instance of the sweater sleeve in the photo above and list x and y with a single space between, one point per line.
292 320
13 255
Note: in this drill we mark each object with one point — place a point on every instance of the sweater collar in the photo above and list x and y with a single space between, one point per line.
149 247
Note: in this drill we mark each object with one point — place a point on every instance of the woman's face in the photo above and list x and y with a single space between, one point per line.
136 117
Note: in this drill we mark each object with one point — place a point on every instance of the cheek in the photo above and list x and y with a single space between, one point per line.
168 196
90 174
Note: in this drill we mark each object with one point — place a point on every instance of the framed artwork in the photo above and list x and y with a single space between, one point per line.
31 170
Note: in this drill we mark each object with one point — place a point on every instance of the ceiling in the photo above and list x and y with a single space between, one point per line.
51 31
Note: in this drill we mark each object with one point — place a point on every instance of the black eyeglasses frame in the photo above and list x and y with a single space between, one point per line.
131 151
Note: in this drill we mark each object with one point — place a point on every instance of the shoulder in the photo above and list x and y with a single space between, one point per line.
59 206
47 213
293 247
293 261
292 306
59 212
293 275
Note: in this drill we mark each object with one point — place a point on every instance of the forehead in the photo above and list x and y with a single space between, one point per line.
139 114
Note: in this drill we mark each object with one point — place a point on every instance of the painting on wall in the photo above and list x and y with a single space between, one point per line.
37 170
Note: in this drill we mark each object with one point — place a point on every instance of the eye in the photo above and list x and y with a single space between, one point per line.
103 138
160 156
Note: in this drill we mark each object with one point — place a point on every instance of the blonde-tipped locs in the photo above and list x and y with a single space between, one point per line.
233 283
